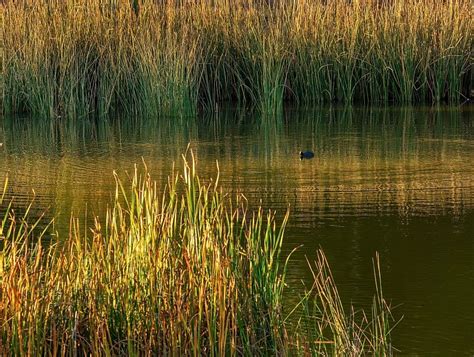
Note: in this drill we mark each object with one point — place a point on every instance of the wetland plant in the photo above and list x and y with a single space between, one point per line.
189 271
77 58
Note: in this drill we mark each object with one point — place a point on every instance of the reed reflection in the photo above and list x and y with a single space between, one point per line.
368 161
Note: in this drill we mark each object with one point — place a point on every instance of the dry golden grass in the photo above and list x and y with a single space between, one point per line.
79 57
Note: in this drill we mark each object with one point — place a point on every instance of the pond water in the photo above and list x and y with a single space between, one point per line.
398 181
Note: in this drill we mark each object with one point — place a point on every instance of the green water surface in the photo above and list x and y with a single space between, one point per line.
398 181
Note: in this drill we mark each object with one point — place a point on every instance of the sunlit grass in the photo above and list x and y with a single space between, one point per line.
76 58
186 272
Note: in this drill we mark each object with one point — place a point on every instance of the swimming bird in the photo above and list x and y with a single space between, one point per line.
306 155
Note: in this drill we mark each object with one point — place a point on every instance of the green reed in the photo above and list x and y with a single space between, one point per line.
189 271
75 58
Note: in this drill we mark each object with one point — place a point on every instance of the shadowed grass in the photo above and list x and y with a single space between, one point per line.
329 330
187 272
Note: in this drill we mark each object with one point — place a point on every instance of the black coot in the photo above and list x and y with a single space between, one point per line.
306 155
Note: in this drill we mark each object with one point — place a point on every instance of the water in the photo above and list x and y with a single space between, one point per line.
398 181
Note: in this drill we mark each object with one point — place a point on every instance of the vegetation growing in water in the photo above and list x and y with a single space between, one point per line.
74 58
190 272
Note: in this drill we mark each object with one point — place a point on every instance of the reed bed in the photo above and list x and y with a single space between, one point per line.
187 272
76 57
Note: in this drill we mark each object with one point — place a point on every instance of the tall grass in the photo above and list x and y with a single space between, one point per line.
80 57
333 330
176 274
188 272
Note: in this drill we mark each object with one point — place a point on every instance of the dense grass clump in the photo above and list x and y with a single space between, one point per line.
162 57
188 272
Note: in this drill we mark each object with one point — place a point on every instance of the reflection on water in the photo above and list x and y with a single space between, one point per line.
395 180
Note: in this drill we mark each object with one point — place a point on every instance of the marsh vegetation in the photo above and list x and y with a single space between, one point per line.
76 58
189 271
